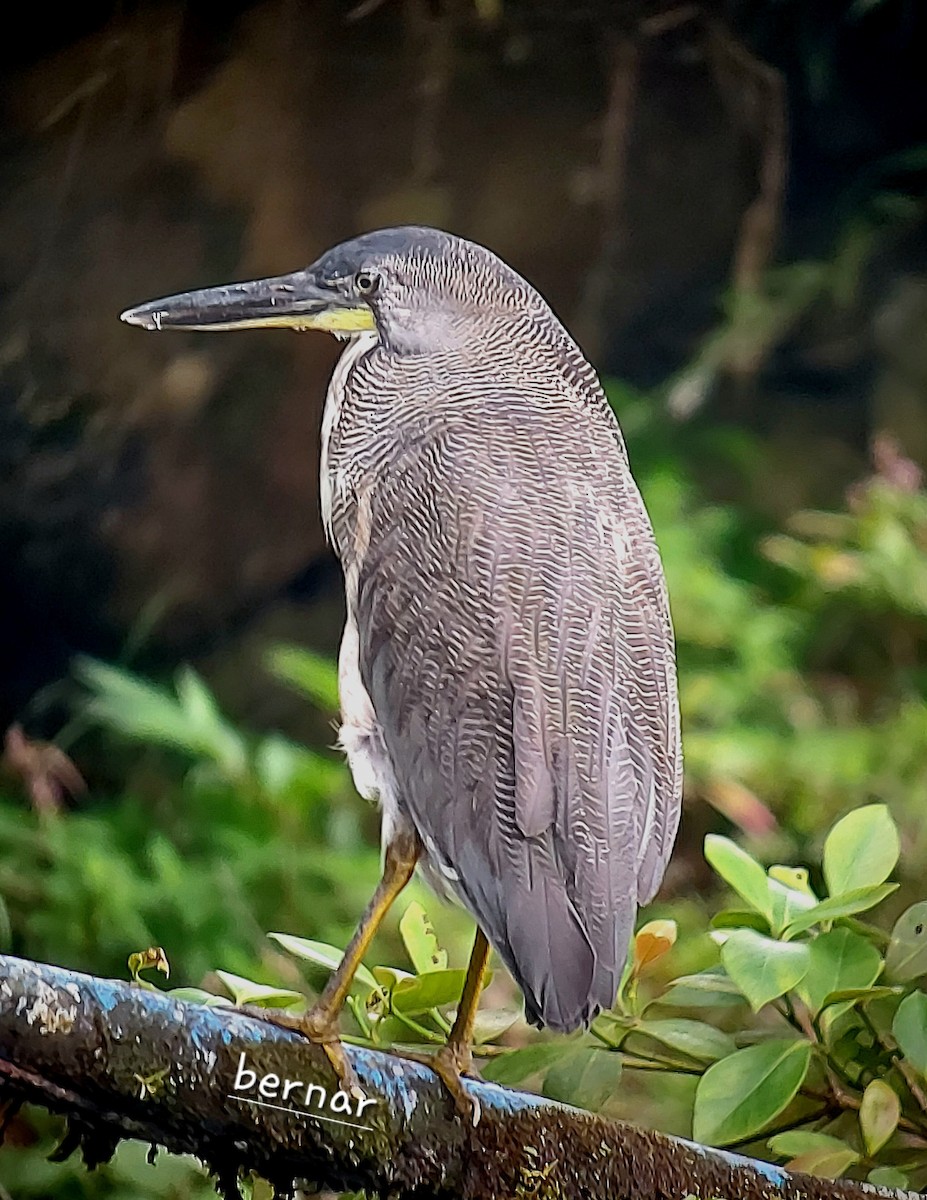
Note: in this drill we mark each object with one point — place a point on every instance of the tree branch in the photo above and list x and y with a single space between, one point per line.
121 1061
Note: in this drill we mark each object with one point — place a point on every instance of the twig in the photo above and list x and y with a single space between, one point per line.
760 223
898 1062
432 43
611 173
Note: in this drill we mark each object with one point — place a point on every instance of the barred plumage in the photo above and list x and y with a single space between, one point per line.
508 673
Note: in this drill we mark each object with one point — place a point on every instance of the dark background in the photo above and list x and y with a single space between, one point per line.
636 162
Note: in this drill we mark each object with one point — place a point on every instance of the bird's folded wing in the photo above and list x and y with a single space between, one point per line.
516 646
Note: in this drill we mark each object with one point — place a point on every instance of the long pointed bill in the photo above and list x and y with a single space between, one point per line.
288 301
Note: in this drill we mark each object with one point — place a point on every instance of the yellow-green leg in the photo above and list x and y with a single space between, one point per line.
320 1023
455 1058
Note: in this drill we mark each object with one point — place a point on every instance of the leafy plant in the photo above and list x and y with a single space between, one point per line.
800 651
831 1069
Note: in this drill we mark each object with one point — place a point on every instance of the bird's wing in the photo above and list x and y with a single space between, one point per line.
515 643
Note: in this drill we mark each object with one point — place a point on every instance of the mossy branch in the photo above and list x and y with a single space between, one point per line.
120 1061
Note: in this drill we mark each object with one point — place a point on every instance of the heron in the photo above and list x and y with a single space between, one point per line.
507 675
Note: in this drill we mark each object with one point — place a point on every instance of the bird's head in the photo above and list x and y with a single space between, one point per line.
415 286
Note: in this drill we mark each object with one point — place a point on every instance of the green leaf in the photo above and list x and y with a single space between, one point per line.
189 721
207 723
910 1030
741 872
825 1164
861 850
739 918
389 978
281 765
585 1075
794 878
420 993
708 989
492 1023
860 995
312 674
840 906
906 957
192 995
394 1032
888 1177
519 1065
742 1093
762 967
695 1038
419 939
246 991
323 955
793 1142
879 1113
134 707
838 960
787 904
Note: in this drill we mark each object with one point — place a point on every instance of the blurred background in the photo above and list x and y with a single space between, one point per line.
727 205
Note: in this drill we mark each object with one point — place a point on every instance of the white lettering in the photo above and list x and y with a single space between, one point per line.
240 1084
272 1087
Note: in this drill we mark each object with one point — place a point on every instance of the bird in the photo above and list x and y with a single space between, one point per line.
507 672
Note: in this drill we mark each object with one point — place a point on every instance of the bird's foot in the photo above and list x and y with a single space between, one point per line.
320 1027
451 1063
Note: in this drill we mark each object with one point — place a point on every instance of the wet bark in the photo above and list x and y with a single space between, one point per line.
120 1061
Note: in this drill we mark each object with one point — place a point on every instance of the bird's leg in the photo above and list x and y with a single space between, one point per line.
459 1044
455 1057
320 1023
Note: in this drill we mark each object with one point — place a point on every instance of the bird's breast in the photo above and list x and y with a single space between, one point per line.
333 472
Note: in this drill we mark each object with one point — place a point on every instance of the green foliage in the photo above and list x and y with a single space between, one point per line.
909 1028
311 674
246 991
322 955
861 850
692 1038
879 1114
220 835
832 1069
907 951
30 1175
421 941
801 651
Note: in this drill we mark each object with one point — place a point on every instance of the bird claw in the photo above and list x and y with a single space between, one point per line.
341 1065
452 1064
319 1028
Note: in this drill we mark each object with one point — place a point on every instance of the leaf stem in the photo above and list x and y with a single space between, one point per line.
427 1034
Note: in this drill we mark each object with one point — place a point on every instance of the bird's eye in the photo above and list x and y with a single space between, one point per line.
366 282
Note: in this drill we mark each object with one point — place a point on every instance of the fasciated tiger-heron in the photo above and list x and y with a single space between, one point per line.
507 672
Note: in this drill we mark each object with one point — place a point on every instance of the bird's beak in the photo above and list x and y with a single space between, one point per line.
289 301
